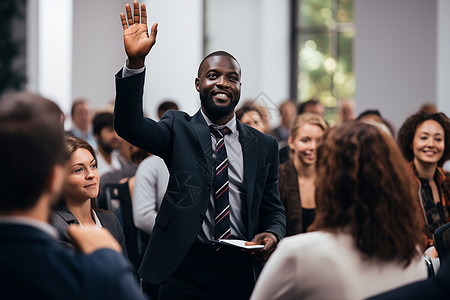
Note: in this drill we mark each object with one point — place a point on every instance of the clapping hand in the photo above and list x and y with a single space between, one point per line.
136 39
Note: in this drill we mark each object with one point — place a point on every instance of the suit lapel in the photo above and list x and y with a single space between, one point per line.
250 156
202 130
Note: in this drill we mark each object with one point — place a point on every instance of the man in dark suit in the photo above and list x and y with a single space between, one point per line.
33 264
180 254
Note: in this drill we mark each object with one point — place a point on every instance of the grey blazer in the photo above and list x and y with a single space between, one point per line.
61 218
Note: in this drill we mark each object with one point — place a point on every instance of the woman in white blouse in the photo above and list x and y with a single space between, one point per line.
367 230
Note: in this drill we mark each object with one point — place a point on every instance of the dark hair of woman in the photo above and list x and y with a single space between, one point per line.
364 186
408 130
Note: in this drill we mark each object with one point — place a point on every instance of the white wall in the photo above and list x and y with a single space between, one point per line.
97 49
443 50
54 51
257 34
173 61
395 56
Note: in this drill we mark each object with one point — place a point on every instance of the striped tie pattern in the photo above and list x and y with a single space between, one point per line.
222 228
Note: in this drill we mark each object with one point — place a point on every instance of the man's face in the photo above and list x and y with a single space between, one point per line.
108 139
219 85
315 109
82 116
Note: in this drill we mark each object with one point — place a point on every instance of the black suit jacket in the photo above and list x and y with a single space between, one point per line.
184 143
34 265
62 217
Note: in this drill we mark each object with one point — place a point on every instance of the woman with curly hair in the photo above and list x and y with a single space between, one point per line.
298 174
425 143
366 239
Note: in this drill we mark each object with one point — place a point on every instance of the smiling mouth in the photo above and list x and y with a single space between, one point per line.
90 185
221 96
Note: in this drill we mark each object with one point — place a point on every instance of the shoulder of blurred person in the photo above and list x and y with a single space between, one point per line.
32 261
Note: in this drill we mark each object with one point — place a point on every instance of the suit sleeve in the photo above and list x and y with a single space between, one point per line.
129 120
272 215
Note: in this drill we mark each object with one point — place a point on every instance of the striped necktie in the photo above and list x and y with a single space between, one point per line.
222 228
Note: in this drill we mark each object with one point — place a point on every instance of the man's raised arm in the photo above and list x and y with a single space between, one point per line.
136 39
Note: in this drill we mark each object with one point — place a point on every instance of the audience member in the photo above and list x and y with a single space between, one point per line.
33 264
251 116
288 111
429 108
165 106
79 192
127 165
368 235
82 115
298 175
425 143
180 253
314 106
373 117
108 143
346 111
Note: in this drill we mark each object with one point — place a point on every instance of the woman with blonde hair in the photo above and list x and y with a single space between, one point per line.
367 231
297 176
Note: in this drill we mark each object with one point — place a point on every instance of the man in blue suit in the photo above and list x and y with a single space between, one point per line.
33 264
196 149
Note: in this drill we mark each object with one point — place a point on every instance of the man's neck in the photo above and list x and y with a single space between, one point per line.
39 212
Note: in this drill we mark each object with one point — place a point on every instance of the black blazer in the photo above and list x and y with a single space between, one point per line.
61 218
184 143
34 265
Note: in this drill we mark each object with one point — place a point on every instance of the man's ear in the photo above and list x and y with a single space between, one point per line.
197 83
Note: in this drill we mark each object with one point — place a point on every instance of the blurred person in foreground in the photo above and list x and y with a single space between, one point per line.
366 236
33 264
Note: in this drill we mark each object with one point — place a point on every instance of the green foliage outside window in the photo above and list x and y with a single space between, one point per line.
324 36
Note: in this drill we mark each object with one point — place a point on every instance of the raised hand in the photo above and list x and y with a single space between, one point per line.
88 239
136 39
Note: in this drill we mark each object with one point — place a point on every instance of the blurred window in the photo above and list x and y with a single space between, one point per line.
323 52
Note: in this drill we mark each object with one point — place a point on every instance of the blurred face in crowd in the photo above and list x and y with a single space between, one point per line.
315 109
82 116
428 143
288 111
305 143
108 139
82 181
253 119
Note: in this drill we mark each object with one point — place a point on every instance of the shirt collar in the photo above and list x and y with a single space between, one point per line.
47 228
230 124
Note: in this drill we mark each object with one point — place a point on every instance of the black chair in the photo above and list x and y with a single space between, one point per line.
442 241
116 198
